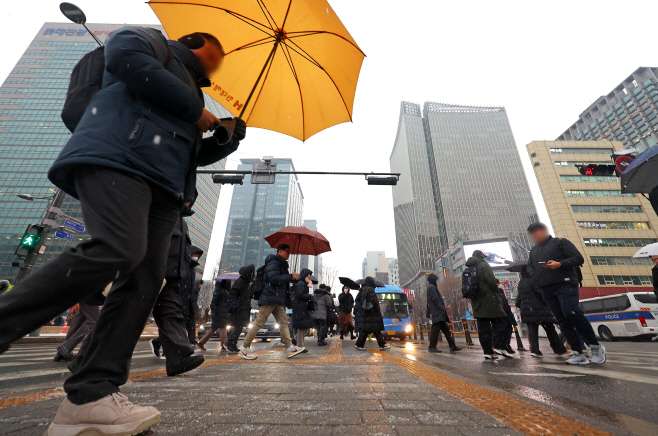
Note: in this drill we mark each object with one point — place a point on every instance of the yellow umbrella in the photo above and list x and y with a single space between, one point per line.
291 66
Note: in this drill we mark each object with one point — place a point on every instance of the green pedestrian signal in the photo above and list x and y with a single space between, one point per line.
29 241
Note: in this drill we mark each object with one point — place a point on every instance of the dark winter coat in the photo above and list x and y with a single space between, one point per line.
325 304
179 258
508 310
142 120
435 303
301 317
358 313
488 305
97 299
240 294
189 286
529 300
560 250
277 281
345 302
221 301
654 274
372 320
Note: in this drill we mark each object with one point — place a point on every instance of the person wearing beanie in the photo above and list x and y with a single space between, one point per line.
436 309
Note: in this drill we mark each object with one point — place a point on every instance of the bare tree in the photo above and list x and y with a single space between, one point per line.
419 307
451 290
329 274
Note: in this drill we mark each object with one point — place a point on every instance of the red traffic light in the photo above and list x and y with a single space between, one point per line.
596 170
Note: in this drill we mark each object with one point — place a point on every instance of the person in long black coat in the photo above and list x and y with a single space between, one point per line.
436 308
240 296
220 318
345 306
358 314
301 315
372 321
534 312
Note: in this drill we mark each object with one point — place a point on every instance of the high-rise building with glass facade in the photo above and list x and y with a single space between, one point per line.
628 113
257 211
461 179
32 135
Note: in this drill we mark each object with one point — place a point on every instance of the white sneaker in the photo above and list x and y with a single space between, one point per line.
490 356
112 415
598 353
293 350
577 359
246 353
588 351
503 353
655 338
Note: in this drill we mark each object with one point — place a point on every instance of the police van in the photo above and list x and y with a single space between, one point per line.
623 315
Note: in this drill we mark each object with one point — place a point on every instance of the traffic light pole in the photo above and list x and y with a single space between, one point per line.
48 222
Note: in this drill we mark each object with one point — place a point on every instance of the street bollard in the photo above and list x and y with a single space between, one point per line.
421 333
415 334
467 332
519 343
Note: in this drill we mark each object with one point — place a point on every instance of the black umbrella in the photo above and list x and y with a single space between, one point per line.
517 266
641 175
346 281
378 284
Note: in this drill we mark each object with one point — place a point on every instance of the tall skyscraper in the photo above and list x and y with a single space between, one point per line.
257 211
606 226
628 113
464 180
314 263
32 135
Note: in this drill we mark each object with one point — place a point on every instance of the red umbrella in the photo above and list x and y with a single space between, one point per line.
300 239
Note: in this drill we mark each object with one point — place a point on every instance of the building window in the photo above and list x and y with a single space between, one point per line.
589 179
581 151
580 208
573 164
595 193
618 242
625 280
613 225
621 260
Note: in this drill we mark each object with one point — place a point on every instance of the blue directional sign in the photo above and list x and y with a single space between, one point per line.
468 316
74 226
64 235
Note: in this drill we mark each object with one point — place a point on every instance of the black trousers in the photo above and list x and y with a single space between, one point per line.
190 326
168 314
491 332
363 335
239 322
130 223
564 303
553 337
81 325
434 333
321 327
509 331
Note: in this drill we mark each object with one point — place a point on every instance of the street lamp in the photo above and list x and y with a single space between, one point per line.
75 14
31 197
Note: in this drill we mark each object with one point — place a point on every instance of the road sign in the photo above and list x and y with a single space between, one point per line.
63 235
622 163
74 226
468 316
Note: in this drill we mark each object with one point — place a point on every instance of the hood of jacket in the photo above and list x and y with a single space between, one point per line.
191 62
321 292
472 261
433 278
305 272
247 272
194 249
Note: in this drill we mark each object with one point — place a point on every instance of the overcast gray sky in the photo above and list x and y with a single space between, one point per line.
544 61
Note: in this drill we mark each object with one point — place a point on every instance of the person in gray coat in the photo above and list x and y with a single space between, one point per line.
436 309
325 304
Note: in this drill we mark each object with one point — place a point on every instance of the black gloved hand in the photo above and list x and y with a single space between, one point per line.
240 130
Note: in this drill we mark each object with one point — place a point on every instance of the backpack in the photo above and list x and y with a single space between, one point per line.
86 81
259 283
470 284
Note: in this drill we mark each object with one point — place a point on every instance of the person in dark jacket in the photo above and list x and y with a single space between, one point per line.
534 312
510 322
332 316
654 274
81 324
324 306
554 265
487 309
189 293
219 308
272 301
437 310
358 314
301 315
132 164
240 296
372 321
345 306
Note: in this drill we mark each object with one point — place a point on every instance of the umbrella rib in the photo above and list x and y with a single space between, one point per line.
270 62
301 97
260 3
317 32
310 59
253 44
286 17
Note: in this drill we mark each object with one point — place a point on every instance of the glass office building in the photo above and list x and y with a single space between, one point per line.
628 113
461 179
257 211
32 135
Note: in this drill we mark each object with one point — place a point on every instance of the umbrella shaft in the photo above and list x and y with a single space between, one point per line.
267 62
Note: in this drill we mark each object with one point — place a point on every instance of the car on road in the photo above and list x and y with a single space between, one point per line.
269 331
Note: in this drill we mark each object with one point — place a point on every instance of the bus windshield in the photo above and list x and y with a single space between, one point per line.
394 308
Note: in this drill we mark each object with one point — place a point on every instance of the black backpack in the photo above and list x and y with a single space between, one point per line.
86 81
470 285
259 282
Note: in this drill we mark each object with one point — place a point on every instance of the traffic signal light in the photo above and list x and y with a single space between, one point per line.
596 170
29 241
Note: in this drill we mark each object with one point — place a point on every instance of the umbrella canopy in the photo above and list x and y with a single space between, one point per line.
647 251
301 240
346 281
228 276
290 66
517 266
641 175
378 284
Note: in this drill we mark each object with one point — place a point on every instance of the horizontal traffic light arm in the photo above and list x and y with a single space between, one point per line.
372 178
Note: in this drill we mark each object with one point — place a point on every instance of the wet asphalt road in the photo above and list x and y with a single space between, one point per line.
622 393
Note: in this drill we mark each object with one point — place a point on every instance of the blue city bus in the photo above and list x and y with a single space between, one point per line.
396 311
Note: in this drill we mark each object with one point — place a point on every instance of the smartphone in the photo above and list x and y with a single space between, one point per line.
542 263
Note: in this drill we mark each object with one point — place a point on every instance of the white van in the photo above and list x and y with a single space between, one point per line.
623 315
